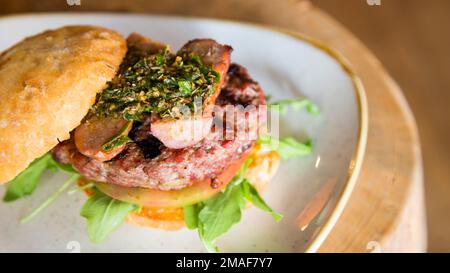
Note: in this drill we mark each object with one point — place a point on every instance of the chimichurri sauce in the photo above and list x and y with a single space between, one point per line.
158 83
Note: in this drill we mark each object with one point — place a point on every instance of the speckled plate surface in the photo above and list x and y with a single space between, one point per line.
311 192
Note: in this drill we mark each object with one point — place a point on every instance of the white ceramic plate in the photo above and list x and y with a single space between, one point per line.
287 65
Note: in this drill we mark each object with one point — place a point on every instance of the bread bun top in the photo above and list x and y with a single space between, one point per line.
47 84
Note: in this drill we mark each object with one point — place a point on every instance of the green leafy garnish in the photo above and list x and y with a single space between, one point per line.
252 195
287 147
297 104
217 215
26 182
220 213
191 215
50 199
104 215
119 140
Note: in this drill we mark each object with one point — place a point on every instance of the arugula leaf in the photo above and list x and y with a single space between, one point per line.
252 195
240 176
191 215
50 199
26 182
104 215
282 106
185 87
209 245
220 213
160 60
287 147
217 215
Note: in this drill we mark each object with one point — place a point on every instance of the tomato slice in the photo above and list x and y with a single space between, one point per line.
150 198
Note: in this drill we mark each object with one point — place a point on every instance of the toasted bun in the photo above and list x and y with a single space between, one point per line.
259 173
47 84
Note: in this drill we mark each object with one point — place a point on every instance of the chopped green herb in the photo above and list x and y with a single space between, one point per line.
119 140
185 87
155 83
159 59
191 215
116 142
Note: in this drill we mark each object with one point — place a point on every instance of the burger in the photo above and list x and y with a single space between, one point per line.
154 138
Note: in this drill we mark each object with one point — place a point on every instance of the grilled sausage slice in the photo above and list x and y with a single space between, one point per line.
187 131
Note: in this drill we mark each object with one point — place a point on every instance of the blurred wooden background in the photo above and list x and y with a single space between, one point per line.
412 40
410 37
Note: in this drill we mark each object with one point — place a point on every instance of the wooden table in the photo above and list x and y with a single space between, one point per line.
386 210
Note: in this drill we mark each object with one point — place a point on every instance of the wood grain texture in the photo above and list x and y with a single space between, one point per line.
387 204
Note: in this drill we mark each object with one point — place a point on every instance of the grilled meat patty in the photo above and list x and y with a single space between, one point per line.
147 163
99 127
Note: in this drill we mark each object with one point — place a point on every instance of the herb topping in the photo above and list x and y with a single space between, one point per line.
160 83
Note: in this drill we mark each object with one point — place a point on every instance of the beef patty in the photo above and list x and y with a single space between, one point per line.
146 163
